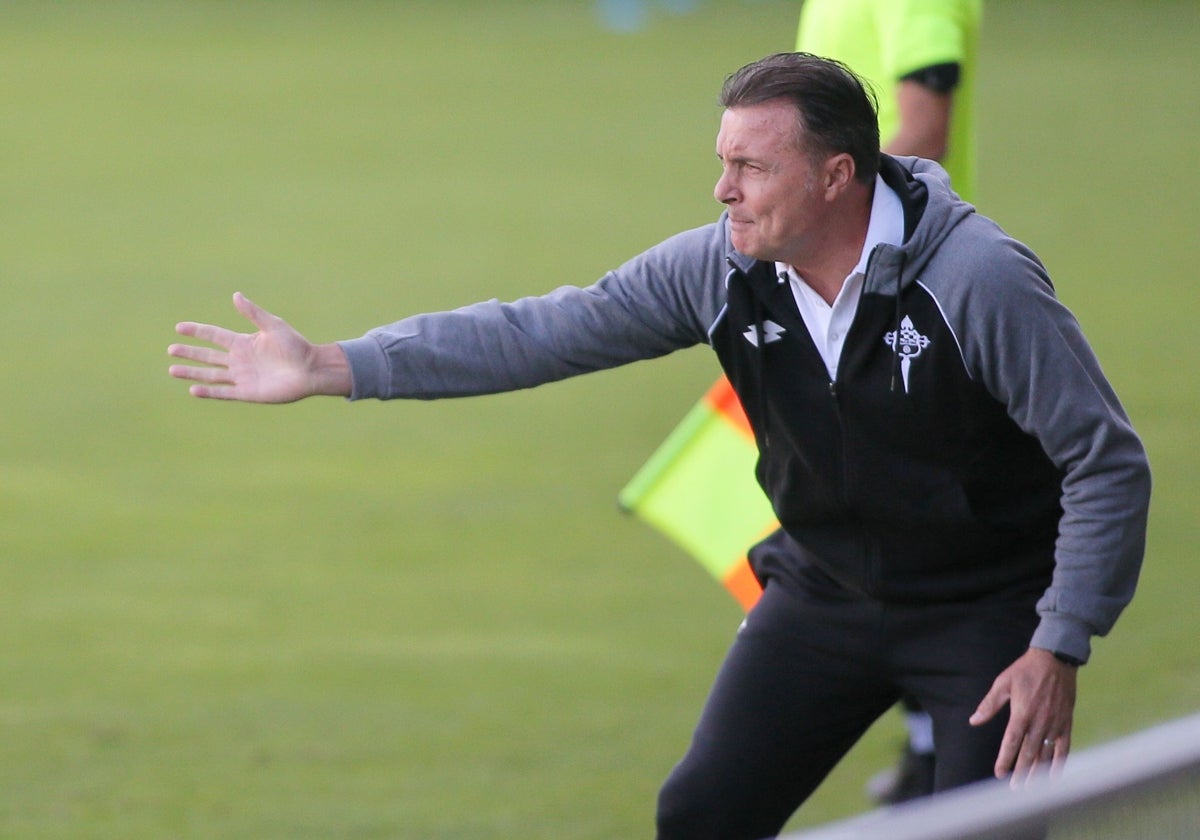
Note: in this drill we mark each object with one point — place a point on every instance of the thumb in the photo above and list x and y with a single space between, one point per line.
252 312
992 703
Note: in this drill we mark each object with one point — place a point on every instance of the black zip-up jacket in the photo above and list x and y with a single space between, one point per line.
905 479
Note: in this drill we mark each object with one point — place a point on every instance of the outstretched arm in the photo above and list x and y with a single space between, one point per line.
273 365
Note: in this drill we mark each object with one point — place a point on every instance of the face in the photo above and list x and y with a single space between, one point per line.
774 190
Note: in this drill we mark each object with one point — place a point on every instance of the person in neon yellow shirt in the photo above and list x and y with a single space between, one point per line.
920 57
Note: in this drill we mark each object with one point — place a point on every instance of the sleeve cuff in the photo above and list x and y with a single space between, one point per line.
368 368
1063 635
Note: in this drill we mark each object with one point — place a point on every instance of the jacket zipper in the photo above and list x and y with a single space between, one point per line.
844 488
868 570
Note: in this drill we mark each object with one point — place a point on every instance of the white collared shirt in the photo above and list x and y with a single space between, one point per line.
827 324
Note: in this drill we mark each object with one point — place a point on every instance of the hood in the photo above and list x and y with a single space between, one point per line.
932 210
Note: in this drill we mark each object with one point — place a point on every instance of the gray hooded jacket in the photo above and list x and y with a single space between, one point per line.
970 446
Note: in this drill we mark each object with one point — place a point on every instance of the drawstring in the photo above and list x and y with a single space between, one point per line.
896 334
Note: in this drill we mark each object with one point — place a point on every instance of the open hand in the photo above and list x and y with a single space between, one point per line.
276 364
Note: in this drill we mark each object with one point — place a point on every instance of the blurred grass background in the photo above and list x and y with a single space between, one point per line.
429 620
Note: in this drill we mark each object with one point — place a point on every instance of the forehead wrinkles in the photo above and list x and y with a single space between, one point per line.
753 130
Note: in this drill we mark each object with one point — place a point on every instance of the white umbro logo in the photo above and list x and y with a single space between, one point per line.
771 331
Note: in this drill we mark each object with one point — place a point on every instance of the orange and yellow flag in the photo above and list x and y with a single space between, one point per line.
699 489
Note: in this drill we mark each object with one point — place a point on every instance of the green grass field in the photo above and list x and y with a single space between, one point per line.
429 620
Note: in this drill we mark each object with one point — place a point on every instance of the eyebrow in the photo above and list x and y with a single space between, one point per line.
745 160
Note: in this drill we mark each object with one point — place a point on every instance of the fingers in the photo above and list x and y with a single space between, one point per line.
1010 751
1018 748
1038 756
208 392
1032 745
203 355
1060 751
201 374
1054 751
222 337
217 374
1040 694
208 332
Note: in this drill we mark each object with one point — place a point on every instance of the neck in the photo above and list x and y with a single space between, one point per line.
825 266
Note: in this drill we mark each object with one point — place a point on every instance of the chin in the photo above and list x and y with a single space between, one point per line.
748 247
757 253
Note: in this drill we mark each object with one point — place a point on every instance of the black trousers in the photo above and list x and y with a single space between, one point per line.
811 669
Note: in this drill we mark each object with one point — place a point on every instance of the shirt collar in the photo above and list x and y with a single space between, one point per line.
887 223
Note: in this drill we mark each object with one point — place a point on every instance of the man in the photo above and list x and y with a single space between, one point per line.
966 496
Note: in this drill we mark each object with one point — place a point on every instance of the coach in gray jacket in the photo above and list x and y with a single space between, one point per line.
963 498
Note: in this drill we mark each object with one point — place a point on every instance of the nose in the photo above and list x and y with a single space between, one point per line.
723 190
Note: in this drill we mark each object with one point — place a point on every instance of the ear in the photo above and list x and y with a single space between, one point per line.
838 174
